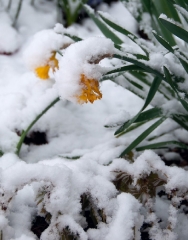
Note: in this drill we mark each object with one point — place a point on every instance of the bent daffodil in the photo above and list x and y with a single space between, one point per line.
77 78
90 90
40 54
43 71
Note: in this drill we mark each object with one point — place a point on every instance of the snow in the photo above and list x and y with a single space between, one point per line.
10 39
125 217
82 55
81 155
41 47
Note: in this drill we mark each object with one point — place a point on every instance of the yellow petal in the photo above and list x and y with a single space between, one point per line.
53 62
42 72
90 90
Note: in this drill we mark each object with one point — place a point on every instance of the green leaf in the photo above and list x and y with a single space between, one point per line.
166 7
126 124
135 84
168 144
71 158
1 153
163 42
182 58
181 3
147 5
122 30
152 91
182 120
156 9
142 136
175 29
131 128
132 59
184 64
117 27
149 115
169 80
73 37
102 26
125 69
182 11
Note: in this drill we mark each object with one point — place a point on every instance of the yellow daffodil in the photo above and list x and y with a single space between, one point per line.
43 71
77 78
90 90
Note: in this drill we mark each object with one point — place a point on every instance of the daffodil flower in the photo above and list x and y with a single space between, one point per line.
90 90
40 54
77 78
43 71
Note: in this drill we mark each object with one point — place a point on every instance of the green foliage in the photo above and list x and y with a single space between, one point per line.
151 10
71 9
167 19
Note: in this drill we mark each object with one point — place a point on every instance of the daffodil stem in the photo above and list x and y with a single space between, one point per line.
9 5
32 2
18 12
25 132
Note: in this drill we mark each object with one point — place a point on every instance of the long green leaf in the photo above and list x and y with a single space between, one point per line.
181 3
182 58
169 79
177 53
147 5
175 29
182 120
152 91
166 7
127 124
142 136
150 114
117 27
184 64
102 26
73 37
182 11
131 128
123 31
156 24
168 144
138 63
135 84
163 42
125 69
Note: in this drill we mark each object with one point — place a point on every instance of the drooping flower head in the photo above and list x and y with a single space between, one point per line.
43 71
90 90
79 71
40 54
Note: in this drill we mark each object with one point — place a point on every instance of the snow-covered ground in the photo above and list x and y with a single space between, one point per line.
44 172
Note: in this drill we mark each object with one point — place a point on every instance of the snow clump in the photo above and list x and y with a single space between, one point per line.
10 39
40 53
79 72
